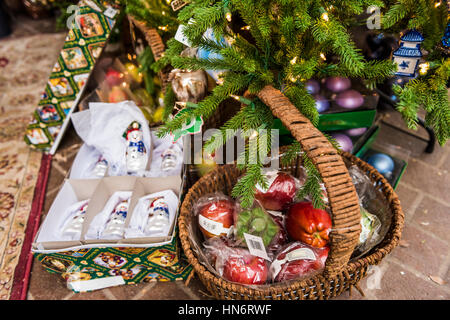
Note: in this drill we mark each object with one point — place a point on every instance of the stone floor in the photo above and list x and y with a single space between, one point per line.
417 269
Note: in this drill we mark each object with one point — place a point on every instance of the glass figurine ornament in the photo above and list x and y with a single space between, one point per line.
136 153
158 216
74 225
116 222
408 55
101 166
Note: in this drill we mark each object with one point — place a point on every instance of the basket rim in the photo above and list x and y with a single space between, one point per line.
393 237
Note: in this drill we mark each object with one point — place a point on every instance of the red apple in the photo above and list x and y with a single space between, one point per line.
216 217
244 268
280 194
297 260
307 224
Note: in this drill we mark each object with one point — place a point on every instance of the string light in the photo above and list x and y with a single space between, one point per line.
228 16
245 28
325 16
322 56
293 61
437 4
163 28
424 68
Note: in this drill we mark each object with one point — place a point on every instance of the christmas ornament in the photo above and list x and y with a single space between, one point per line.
407 56
113 77
307 224
350 99
297 260
338 84
322 103
169 159
216 215
189 86
444 45
115 225
101 166
242 267
312 86
355 132
344 141
74 225
133 71
158 216
136 153
280 192
382 162
204 53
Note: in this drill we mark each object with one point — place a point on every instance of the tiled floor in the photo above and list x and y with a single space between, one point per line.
417 269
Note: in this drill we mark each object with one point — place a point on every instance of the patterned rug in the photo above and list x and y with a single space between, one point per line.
25 64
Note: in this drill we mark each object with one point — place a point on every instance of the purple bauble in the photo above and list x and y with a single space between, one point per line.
355 132
350 99
344 141
322 103
338 84
312 86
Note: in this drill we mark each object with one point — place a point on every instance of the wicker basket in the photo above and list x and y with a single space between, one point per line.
339 274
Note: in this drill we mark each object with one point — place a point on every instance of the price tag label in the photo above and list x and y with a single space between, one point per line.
256 247
213 227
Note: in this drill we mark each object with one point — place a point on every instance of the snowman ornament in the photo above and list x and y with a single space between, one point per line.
136 153
116 222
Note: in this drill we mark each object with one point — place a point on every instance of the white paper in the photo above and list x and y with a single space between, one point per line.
102 127
138 220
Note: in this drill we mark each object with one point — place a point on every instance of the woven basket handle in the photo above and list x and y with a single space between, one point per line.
156 45
342 196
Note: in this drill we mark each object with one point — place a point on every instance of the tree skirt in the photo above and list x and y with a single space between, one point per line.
25 64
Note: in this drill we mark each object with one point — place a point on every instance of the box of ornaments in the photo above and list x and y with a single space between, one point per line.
111 231
342 103
114 219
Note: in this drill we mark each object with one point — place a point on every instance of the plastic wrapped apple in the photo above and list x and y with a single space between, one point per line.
234 263
215 215
307 224
242 267
281 190
297 260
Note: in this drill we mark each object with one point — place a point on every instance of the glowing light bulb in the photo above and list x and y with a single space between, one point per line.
424 68
437 4
245 28
293 61
235 97
228 16
325 16
322 56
